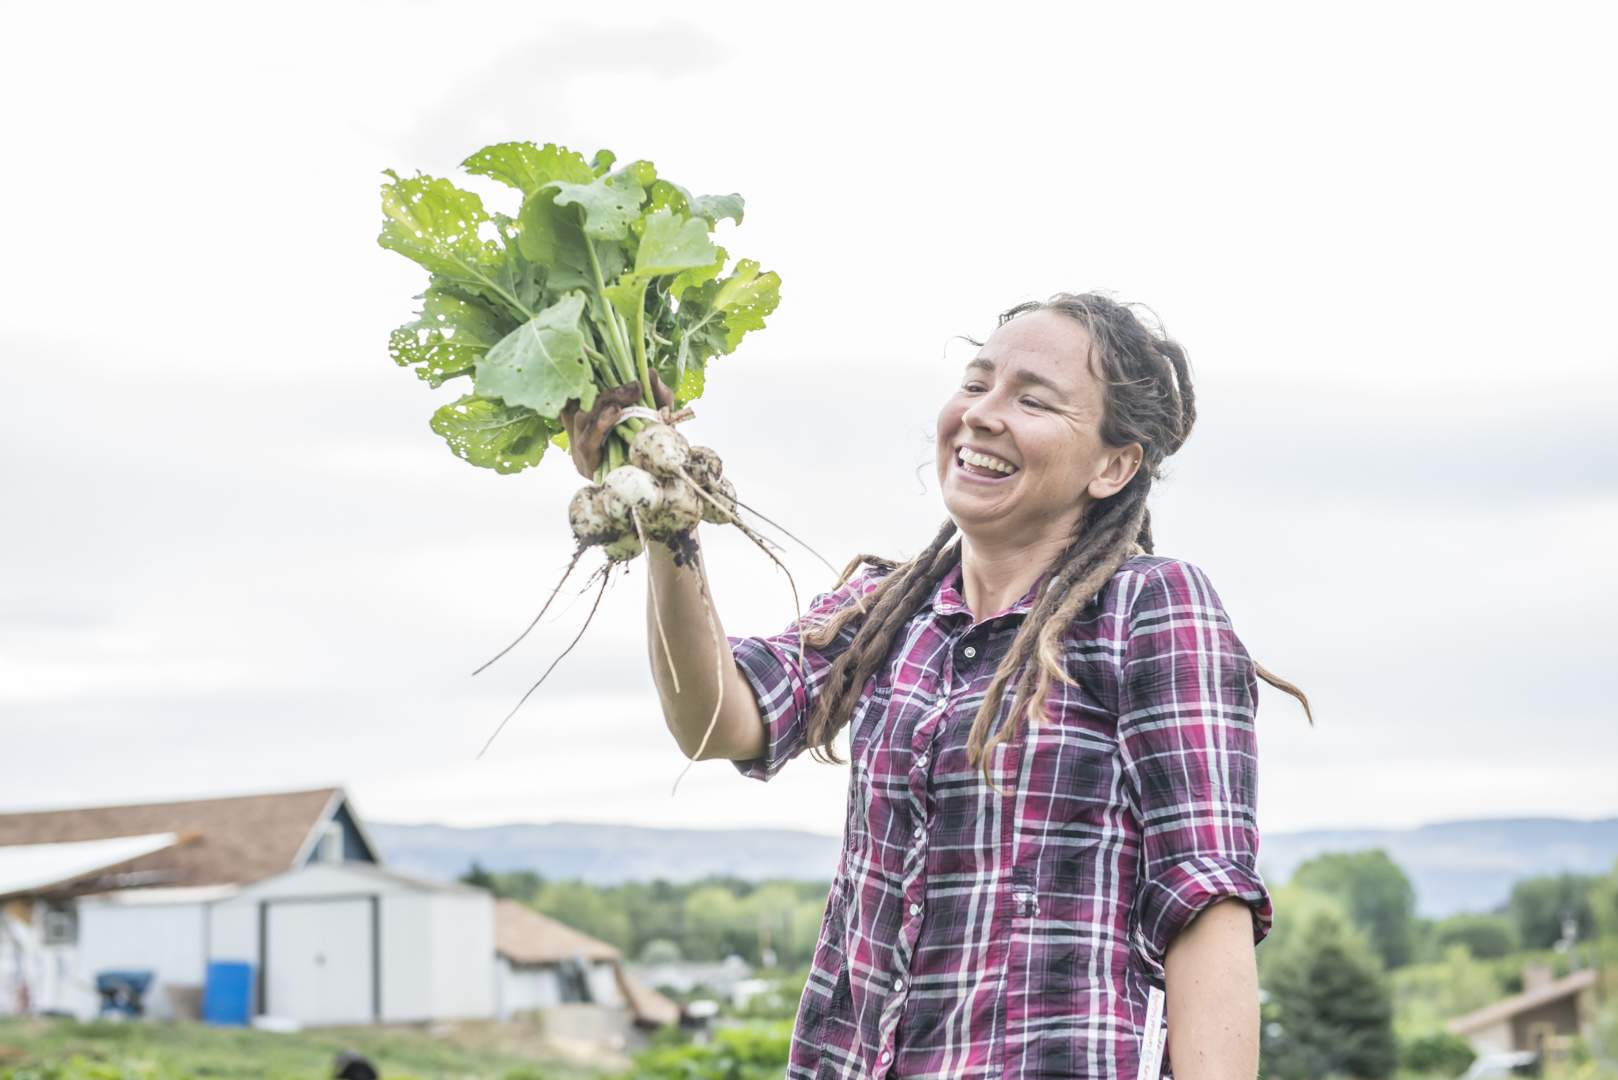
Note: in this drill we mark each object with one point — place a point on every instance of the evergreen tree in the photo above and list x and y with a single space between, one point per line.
477 877
1327 1008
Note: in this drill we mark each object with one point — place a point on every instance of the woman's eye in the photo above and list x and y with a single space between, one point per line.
1033 403
972 387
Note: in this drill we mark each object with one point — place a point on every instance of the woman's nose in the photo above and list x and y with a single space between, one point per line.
983 413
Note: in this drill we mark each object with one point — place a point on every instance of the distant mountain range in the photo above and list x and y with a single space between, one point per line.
1455 866
1461 865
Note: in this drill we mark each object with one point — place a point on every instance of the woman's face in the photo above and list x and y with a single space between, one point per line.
1029 403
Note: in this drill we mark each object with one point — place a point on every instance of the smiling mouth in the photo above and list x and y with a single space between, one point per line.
983 466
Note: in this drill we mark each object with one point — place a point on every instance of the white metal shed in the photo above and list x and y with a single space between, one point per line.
351 943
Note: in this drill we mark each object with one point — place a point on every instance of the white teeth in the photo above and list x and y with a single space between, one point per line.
984 461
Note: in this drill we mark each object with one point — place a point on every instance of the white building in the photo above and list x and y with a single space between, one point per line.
574 983
289 884
356 944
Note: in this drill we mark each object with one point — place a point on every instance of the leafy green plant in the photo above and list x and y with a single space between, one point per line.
754 1052
1438 1053
602 277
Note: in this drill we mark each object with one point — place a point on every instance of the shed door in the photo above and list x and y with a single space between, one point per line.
319 961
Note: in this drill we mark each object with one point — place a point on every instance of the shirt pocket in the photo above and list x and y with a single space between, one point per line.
868 727
1065 840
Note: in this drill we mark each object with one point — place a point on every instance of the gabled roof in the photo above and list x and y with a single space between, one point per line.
360 872
236 841
1505 1009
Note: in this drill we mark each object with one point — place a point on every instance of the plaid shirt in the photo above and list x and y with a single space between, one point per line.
976 934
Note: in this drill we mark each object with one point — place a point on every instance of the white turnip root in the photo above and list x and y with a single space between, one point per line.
660 450
631 490
704 466
681 508
587 515
720 508
624 548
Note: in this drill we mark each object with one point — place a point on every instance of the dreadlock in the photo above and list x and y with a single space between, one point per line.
1149 400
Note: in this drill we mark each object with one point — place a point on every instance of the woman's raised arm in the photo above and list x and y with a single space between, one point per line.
707 673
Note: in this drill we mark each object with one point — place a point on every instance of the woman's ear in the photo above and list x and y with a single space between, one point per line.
1119 470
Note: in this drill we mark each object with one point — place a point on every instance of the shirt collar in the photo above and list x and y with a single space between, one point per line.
949 600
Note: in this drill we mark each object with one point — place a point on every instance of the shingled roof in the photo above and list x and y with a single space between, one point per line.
525 937
232 841
1489 1015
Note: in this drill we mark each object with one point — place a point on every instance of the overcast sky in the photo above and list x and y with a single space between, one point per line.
236 559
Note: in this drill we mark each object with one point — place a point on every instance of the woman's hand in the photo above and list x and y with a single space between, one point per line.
587 431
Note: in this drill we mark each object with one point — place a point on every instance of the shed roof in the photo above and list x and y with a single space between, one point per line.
237 840
524 936
649 1006
1505 1009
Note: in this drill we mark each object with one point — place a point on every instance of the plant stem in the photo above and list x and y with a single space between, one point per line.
617 345
642 369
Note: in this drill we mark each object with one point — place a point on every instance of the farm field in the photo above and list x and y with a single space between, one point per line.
36 1049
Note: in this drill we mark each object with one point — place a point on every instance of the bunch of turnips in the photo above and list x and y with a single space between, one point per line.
665 489
605 281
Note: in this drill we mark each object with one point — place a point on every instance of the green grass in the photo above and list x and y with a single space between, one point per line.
65 1050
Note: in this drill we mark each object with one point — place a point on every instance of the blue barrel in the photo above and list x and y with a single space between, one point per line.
228 997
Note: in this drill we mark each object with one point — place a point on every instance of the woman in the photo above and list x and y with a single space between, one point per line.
1051 800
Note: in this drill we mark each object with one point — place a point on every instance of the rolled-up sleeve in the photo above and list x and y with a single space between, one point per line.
1188 692
786 690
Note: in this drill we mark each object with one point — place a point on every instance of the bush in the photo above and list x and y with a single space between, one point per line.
1487 937
1439 1052
757 1052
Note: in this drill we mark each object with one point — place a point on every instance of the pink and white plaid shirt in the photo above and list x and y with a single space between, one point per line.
970 933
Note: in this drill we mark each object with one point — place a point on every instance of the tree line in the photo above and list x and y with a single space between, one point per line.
769 922
1354 982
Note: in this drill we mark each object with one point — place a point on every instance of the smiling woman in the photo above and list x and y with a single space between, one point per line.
1051 809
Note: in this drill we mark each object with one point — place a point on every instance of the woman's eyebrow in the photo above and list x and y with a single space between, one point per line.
1022 375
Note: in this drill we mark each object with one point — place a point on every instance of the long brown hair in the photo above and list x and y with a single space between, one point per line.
1148 399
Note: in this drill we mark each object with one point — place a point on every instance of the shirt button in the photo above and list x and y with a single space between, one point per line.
915 909
898 984
921 762
970 651
886 1057
917 832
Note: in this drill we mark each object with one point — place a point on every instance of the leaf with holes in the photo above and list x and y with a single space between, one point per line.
527 167
493 435
448 338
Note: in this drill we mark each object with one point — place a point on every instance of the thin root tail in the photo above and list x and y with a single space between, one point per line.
657 611
572 563
606 576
